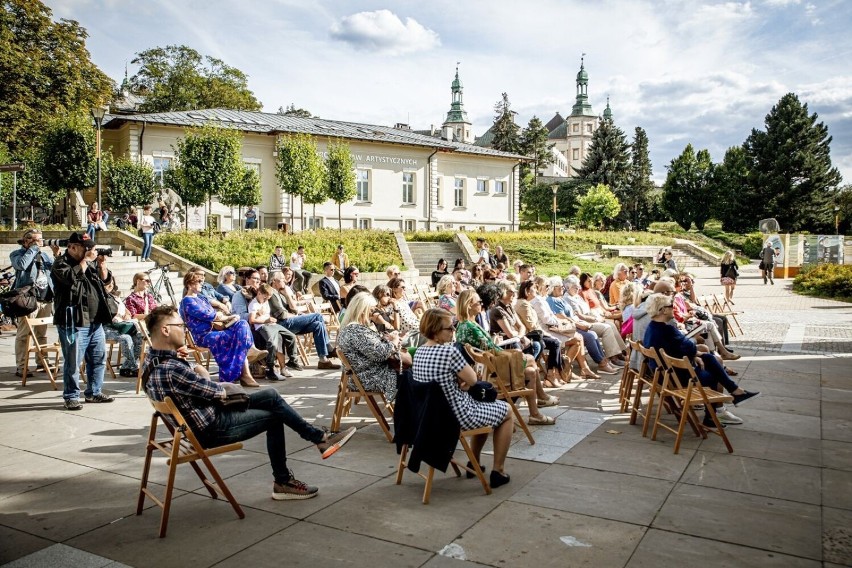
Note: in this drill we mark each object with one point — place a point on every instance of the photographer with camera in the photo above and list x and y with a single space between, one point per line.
81 310
32 268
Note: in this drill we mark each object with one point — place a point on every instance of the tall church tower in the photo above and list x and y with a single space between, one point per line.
581 123
457 117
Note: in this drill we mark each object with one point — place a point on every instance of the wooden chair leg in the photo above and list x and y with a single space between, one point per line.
400 468
475 463
427 491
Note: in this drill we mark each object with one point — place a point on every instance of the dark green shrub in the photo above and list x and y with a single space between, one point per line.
826 281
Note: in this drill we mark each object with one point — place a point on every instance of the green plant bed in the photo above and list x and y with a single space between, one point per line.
832 281
576 243
430 236
750 244
371 251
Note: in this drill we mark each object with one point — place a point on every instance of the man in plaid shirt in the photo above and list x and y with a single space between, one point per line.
197 397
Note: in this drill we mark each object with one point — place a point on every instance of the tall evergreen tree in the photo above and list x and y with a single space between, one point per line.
636 204
679 189
534 143
734 203
791 175
608 159
506 132
704 193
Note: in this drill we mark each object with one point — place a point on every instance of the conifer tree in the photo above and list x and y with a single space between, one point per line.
608 159
636 204
506 132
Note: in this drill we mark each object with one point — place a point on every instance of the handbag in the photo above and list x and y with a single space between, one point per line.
535 335
627 327
732 272
221 325
483 391
124 327
19 302
509 364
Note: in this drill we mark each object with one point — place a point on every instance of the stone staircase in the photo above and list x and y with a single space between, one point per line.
685 257
426 255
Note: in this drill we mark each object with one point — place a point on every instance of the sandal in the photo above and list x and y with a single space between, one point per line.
589 374
731 372
542 420
549 401
546 383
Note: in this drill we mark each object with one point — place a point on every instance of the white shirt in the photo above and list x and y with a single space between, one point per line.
483 254
296 261
147 223
334 284
261 311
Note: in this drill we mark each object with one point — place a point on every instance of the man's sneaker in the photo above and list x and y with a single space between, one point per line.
293 489
334 442
73 404
725 416
100 397
708 422
293 364
741 398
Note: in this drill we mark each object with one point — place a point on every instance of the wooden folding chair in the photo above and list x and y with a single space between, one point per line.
646 378
686 398
723 308
628 379
181 447
503 385
345 395
202 355
457 466
41 352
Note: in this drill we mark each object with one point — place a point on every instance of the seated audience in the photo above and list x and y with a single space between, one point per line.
123 330
608 334
385 316
408 320
504 321
447 289
350 279
439 272
340 261
279 342
535 332
277 261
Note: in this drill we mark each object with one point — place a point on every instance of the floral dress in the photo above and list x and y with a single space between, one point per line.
441 363
368 353
447 302
229 346
407 319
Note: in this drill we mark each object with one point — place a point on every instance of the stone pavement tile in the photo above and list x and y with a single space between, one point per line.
315 546
782 375
254 488
542 452
791 390
370 454
16 544
837 455
786 404
202 531
73 506
611 454
440 561
604 494
837 536
663 548
837 395
777 422
767 446
755 476
395 512
836 410
516 534
633 433
105 448
61 555
751 520
22 471
839 429
837 489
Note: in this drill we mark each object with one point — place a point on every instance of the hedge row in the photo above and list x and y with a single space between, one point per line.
750 244
826 281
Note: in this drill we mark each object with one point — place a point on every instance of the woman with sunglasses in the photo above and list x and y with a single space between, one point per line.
385 316
140 302
228 282
408 320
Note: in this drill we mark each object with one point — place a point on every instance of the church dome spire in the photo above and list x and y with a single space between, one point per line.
457 116
607 111
582 107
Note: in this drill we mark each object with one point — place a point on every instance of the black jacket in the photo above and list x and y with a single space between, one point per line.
329 293
79 296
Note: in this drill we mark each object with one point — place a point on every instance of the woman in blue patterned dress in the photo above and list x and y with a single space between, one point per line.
232 348
440 360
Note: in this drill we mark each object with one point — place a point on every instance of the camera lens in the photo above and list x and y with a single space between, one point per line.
104 252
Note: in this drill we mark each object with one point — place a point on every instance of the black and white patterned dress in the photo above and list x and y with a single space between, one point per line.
441 363
368 353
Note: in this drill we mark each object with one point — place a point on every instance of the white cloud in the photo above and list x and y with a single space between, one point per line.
781 3
382 31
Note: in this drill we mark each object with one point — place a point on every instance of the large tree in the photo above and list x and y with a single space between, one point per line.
597 206
243 194
45 71
68 156
177 77
506 132
636 205
299 169
608 159
340 176
129 184
534 144
734 205
688 191
790 173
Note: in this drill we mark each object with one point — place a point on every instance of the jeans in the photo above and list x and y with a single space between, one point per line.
309 323
90 230
147 241
534 349
131 346
590 340
82 343
269 413
714 374
554 353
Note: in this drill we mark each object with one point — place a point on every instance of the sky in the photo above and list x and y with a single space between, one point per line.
687 71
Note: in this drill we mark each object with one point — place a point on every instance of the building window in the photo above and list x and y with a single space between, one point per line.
410 225
253 166
160 166
576 154
499 187
408 187
482 186
589 128
365 224
314 222
362 185
439 200
459 193
575 127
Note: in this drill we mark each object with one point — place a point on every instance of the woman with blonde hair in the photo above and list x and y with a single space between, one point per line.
227 280
447 288
140 302
730 272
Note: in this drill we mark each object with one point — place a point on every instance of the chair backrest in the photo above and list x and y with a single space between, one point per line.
671 365
172 416
31 324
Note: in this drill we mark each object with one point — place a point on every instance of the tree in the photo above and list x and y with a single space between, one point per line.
243 194
129 184
637 192
177 77
506 137
297 112
209 164
608 159
790 171
533 143
45 71
734 204
688 191
597 206
68 156
299 168
340 174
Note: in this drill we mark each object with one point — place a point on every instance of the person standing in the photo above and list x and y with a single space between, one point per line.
730 272
251 218
146 225
80 312
301 278
767 263
32 268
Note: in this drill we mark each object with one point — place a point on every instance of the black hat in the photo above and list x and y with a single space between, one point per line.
82 239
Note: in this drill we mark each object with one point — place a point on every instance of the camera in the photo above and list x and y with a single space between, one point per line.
56 242
104 251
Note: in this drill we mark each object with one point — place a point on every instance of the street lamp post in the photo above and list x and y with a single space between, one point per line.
836 220
554 188
98 114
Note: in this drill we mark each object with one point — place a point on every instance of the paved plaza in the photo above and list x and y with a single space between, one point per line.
591 492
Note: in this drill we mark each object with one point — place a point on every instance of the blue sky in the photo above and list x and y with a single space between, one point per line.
686 71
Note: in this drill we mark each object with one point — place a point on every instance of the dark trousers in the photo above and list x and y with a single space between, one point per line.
714 374
554 352
276 339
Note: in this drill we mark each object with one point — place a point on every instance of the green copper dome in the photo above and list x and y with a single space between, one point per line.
607 111
582 107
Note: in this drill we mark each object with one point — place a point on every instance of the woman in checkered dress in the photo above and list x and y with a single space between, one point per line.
441 361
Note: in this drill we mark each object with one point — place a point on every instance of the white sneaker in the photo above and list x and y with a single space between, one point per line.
726 417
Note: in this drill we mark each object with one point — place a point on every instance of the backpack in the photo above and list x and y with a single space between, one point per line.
19 302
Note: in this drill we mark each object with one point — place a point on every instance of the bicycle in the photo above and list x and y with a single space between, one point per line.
163 281
7 282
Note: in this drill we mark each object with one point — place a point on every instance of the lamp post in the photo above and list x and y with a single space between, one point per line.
836 220
98 113
554 188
